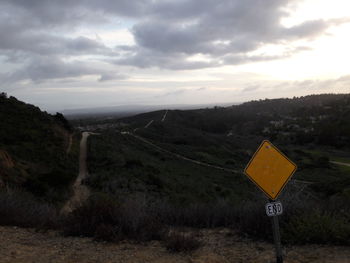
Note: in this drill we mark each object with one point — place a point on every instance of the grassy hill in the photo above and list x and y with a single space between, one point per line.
157 170
38 151
131 156
187 166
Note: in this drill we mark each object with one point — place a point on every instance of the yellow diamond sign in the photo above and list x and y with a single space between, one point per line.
270 169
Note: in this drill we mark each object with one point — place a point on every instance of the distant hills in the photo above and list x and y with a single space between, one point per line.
129 110
321 119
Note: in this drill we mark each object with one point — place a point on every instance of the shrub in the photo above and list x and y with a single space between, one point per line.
85 220
138 222
103 218
180 241
251 220
20 208
218 214
318 227
105 232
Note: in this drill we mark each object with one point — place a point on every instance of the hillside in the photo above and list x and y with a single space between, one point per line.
320 119
153 174
189 164
142 153
38 151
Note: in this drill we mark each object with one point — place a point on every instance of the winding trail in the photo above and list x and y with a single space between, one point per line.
81 192
181 156
164 116
149 124
340 163
199 162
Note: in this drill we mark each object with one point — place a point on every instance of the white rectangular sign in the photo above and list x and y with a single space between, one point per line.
274 208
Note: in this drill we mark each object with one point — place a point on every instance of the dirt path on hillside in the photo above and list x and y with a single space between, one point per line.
220 246
193 160
164 116
340 163
181 156
81 192
149 124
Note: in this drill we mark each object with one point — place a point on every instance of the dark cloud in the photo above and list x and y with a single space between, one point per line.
41 68
111 76
21 36
225 31
44 68
167 33
145 58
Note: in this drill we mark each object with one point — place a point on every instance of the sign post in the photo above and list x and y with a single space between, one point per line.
277 239
270 170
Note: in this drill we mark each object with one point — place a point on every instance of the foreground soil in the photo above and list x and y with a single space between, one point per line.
220 246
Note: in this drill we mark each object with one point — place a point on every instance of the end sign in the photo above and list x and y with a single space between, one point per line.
270 169
274 209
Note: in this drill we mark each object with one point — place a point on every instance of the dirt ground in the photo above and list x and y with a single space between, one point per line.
220 246
81 192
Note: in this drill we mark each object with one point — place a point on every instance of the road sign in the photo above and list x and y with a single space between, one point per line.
274 208
270 169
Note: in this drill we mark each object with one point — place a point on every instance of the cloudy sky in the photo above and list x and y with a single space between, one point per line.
64 54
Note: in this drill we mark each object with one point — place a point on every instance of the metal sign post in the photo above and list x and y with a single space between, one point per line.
276 229
271 170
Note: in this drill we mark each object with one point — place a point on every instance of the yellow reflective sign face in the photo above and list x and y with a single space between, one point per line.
270 169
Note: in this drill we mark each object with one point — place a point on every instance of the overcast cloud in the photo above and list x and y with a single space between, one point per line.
48 40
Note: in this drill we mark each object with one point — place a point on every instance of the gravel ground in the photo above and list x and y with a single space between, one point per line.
220 246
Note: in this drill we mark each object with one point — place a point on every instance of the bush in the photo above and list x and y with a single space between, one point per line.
85 220
318 227
218 214
251 220
105 232
104 219
301 223
139 219
180 241
20 208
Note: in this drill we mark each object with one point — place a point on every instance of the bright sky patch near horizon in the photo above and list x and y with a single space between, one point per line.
88 53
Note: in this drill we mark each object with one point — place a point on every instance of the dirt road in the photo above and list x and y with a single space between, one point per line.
81 192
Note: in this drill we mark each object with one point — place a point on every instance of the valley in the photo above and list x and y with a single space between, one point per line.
172 181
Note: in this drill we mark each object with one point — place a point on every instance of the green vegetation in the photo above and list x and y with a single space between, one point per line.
33 150
186 171
128 159
21 208
121 165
